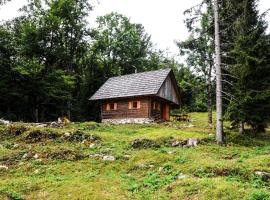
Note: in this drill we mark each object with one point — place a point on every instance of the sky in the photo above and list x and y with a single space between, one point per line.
162 19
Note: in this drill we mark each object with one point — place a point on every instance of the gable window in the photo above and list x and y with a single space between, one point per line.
111 106
134 105
156 105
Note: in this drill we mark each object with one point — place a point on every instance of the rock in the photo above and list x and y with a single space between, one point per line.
171 152
4 122
25 156
265 175
80 136
160 169
82 142
192 142
144 143
67 134
181 176
261 173
4 167
36 156
109 158
55 125
178 143
41 125
40 136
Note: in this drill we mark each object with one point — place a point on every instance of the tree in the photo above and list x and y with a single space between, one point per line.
199 47
219 123
245 62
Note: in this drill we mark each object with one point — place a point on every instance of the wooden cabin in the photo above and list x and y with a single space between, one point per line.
138 98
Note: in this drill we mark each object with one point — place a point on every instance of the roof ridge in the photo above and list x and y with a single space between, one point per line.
140 73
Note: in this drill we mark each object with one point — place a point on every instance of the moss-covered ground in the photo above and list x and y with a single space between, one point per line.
48 166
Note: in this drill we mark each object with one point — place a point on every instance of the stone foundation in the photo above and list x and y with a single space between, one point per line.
128 121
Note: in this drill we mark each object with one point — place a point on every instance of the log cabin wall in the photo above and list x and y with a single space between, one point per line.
156 113
123 109
168 91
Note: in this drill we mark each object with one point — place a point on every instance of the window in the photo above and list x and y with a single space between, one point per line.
134 105
111 106
156 106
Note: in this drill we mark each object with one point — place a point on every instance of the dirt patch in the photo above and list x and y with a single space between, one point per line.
40 136
144 144
66 154
16 130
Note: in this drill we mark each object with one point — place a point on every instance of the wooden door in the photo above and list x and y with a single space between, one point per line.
166 112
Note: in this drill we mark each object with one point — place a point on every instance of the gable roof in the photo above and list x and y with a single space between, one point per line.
138 84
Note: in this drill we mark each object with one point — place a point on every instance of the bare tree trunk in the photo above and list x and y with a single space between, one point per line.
219 125
209 96
36 115
241 128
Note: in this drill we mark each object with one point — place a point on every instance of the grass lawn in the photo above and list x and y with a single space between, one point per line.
52 167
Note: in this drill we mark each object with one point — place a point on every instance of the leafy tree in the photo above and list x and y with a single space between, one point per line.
199 48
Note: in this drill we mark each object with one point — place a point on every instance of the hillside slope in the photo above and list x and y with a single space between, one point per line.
98 161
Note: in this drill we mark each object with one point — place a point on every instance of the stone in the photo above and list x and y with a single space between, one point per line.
4 167
160 169
171 152
175 143
67 134
181 176
25 155
41 125
109 158
36 156
144 144
192 142
4 122
262 173
55 125
82 142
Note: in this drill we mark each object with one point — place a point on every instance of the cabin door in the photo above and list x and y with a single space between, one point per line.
166 112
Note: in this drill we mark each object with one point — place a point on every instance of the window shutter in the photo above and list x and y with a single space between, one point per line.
130 105
108 106
138 104
115 106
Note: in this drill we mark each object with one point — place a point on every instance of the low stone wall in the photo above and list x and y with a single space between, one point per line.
128 121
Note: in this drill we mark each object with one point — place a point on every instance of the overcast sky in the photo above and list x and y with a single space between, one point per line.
163 19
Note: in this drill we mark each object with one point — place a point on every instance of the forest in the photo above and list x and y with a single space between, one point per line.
52 60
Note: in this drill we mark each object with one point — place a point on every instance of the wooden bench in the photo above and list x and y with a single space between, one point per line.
181 117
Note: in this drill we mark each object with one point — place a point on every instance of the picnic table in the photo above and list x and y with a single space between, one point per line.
181 117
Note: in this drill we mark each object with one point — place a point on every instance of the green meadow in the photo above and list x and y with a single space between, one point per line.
70 162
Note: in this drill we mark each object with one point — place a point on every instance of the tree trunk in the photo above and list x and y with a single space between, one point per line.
219 125
209 108
241 128
36 115
209 96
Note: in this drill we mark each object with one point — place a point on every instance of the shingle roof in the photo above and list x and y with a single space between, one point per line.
139 84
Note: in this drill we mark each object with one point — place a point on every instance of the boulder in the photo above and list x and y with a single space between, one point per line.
55 125
4 167
4 122
109 158
192 142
